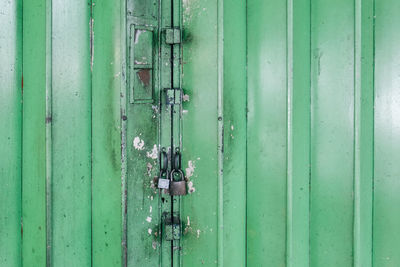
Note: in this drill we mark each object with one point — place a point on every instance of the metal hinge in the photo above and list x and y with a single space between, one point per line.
173 96
172 36
171 226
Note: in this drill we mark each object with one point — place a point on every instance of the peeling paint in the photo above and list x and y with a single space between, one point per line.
192 189
153 154
149 168
91 26
154 245
148 219
187 227
155 108
186 98
138 143
137 35
190 169
149 231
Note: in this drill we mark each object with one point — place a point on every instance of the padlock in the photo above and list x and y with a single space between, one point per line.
177 188
163 181
163 178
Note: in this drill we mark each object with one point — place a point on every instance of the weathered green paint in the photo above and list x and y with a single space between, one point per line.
289 133
71 134
332 133
200 135
142 218
386 237
298 133
266 132
34 139
234 142
363 132
10 132
106 134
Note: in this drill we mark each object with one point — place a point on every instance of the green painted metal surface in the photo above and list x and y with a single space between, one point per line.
34 143
10 132
288 129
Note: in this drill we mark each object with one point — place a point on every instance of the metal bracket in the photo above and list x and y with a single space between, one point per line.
171 226
173 96
173 36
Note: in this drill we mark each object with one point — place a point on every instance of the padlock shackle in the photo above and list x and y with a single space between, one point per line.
172 174
163 160
177 160
164 172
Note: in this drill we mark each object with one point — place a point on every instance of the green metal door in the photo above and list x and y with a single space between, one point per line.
283 116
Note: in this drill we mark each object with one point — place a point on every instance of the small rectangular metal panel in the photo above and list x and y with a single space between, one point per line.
141 64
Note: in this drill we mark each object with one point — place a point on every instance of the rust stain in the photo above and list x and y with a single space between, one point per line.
144 76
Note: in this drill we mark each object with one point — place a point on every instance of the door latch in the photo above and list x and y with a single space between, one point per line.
171 226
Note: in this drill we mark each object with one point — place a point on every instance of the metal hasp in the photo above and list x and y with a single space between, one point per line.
171 226
173 36
173 96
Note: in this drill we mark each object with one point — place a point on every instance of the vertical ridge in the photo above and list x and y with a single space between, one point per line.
123 103
48 132
220 81
298 132
363 133
289 133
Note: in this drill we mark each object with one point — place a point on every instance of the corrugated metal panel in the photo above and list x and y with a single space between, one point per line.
10 132
290 133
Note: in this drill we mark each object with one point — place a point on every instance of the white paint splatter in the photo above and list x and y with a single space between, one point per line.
151 209
155 108
148 219
190 169
188 221
192 189
91 26
198 233
185 97
154 245
138 143
232 128
185 111
149 231
149 168
153 154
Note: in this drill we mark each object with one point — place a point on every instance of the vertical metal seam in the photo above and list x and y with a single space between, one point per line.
220 124
289 132
91 32
246 125
20 8
123 105
356 134
49 76
160 203
310 135
373 128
